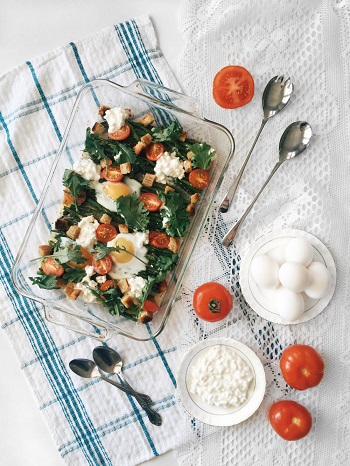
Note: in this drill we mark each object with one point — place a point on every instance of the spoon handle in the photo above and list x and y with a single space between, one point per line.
228 239
147 399
226 202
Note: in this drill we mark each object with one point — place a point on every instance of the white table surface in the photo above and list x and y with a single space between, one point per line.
28 29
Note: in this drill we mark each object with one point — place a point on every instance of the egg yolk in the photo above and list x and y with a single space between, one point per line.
115 190
122 257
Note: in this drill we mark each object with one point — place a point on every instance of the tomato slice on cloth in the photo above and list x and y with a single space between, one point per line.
150 305
158 239
212 302
154 151
121 133
88 259
199 178
107 285
103 266
151 201
112 174
106 232
68 199
302 367
52 267
290 420
233 87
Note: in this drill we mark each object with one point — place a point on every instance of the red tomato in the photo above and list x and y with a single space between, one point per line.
199 178
154 151
106 232
150 305
52 267
212 302
151 201
88 259
112 174
233 87
158 239
103 266
302 367
68 199
121 133
290 420
107 285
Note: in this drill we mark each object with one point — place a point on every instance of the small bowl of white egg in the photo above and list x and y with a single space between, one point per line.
288 276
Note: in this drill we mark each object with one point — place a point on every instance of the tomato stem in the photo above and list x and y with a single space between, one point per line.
214 306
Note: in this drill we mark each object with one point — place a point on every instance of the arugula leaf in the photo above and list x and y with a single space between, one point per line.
69 254
168 134
75 183
174 213
47 282
72 274
203 155
102 251
100 148
133 211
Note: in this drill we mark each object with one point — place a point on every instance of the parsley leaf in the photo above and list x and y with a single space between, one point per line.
174 213
75 183
72 274
133 211
69 254
168 134
203 155
47 282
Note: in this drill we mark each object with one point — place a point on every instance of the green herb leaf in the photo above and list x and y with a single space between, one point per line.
69 254
102 250
168 134
174 213
203 155
75 183
100 148
47 282
133 212
72 274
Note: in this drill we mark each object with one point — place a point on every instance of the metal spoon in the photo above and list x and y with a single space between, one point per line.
294 141
110 361
88 369
275 97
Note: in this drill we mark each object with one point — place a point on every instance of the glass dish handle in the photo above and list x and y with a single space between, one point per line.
167 97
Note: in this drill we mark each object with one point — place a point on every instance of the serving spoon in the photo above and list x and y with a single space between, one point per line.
275 97
294 141
89 370
111 362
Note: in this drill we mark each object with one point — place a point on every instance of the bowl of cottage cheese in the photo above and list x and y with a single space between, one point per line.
221 381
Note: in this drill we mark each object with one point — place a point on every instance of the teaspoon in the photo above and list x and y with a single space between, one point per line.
275 97
294 141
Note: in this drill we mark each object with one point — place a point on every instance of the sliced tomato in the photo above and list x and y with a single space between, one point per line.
68 199
52 267
150 305
121 133
290 420
107 285
112 174
199 178
151 201
233 87
154 151
103 266
212 301
88 259
158 239
106 232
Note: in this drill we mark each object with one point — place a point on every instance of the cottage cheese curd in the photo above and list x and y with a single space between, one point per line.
86 284
220 377
169 165
87 169
87 236
116 118
136 284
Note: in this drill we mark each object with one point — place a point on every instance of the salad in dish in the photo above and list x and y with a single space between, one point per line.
127 204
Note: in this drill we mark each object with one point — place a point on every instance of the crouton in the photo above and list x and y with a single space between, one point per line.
148 180
183 136
194 198
145 316
168 189
73 232
147 139
45 250
188 166
106 219
147 119
98 128
138 147
103 109
123 228
190 155
123 285
61 282
105 162
71 292
61 224
127 300
190 209
174 244
125 168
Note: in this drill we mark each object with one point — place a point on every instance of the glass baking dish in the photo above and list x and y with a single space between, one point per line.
166 105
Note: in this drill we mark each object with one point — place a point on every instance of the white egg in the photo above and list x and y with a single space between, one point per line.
130 260
278 254
320 281
294 276
289 305
264 271
107 192
299 250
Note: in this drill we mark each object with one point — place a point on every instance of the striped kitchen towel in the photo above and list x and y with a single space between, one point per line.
92 422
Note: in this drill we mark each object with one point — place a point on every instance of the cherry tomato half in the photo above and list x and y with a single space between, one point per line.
199 178
52 267
150 305
103 266
158 239
290 420
151 201
112 174
121 133
212 302
105 232
107 285
88 259
68 199
154 151
302 367
233 87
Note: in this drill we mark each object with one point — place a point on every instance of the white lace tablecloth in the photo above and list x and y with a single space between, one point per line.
308 41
